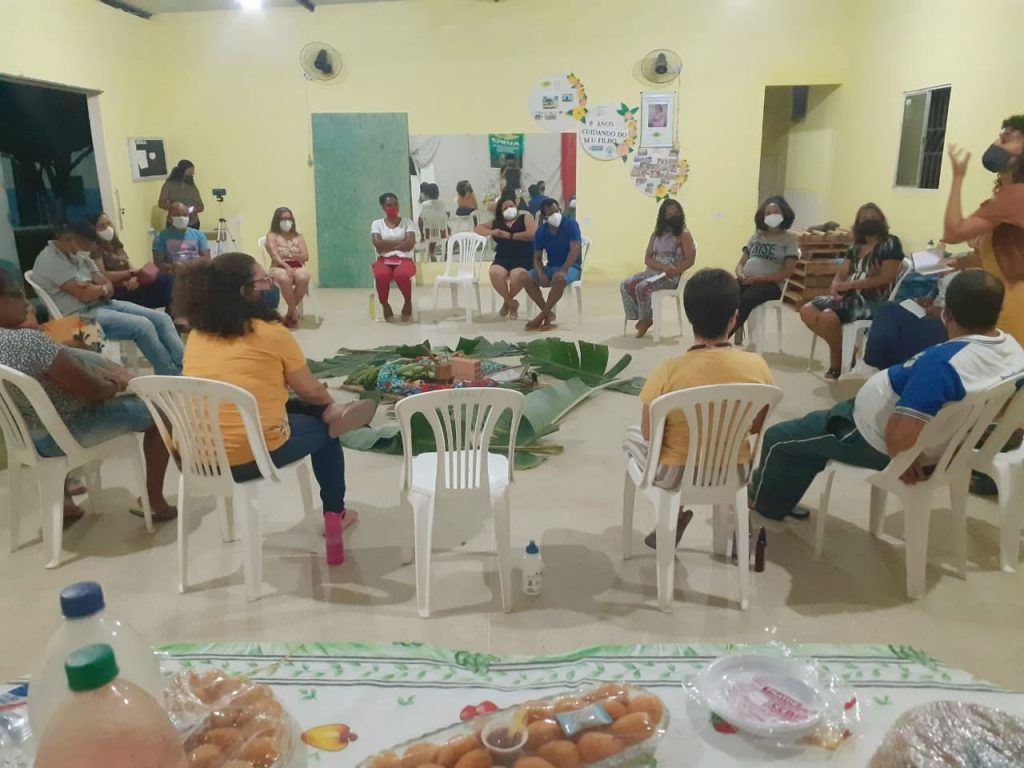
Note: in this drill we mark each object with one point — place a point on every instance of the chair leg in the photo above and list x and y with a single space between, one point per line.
423 523
139 471
476 290
437 293
826 497
720 530
666 551
468 301
184 502
226 519
778 317
1011 485
94 482
50 483
656 310
810 355
958 504
455 295
15 475
743 546
503 537
252 544
878 497
917 514
579 305
679 314
408 544
628 505
314 522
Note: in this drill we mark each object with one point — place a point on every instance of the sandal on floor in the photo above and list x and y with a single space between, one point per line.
832 374
158 517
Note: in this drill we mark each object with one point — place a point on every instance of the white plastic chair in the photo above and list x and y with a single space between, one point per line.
757 321
192 407
719 419
264 256
657 299
461 470
460 271
962 423
856 332
1007 471
378 308
435 232
24 464
571 289
117 351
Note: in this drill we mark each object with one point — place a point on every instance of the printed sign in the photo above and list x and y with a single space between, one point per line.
559 103
609 132
503 146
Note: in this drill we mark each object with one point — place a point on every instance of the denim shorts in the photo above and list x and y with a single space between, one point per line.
100 423
572 274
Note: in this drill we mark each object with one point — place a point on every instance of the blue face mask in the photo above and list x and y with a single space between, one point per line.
996 159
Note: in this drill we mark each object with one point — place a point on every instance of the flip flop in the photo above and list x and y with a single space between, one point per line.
685 516
504 311
158 517
832 374
345 417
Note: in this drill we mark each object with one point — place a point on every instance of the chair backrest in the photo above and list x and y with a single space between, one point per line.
191 409
262 254
718 419
906 267
18 439
51 306
435 222
958 428
1005 424
463 263
463 422
785 285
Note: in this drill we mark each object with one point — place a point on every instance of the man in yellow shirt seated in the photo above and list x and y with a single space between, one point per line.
711 299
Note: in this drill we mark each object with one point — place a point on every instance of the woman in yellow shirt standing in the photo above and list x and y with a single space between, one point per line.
236 338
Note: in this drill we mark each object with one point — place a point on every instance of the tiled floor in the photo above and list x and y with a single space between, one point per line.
572 506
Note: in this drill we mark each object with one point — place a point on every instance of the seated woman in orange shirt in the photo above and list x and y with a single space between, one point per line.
236 338
288 257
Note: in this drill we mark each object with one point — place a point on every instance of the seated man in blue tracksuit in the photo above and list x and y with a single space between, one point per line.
894 405
560 238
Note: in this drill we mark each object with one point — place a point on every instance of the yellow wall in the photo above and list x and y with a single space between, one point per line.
465 66
83 44
972 45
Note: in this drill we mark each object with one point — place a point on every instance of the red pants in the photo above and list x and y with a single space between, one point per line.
402 275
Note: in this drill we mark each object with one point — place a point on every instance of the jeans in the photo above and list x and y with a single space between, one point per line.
309 437
151 330
99 423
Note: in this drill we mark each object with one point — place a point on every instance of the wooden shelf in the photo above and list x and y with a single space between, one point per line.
821 256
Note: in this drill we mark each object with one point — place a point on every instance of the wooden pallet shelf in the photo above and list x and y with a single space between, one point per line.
820 258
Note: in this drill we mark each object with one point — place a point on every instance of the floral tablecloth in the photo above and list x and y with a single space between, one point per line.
388 693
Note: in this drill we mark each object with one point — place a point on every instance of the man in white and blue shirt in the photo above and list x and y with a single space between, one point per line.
894 405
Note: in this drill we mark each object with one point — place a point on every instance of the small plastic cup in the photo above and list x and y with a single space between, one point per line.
499 740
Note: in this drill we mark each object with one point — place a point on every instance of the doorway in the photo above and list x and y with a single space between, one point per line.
48 164
796 150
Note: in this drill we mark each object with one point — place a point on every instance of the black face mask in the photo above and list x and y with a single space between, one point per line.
190 180
996 159
869 228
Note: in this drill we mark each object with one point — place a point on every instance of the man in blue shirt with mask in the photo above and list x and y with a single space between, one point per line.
560 238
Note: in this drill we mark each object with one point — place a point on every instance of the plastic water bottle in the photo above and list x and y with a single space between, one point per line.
533 570
107 722
86 622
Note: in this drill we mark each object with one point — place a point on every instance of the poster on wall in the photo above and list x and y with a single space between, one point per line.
502 146
657 119
559 103
147 159
659 173
609 132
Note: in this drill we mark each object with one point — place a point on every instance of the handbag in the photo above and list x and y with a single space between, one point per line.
147 274
76 331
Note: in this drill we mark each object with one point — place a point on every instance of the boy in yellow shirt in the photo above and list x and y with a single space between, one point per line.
711 299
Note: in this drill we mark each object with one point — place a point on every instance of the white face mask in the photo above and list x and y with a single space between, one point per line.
773 220
286 225
106 234
555 219
179 222
510 214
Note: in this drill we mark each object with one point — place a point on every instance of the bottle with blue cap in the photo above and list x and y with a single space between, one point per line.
533 570
86 622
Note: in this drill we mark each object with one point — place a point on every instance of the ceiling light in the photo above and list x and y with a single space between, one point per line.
250 5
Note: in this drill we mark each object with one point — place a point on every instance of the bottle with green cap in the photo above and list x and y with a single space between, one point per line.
87 621
107 722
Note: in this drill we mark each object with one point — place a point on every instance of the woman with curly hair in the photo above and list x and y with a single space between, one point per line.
862 283
670 252
769 257
236 338
996 229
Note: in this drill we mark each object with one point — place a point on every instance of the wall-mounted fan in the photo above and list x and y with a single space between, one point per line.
661 66
321 62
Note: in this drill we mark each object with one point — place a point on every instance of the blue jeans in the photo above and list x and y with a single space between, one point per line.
152 331
309 437
99 423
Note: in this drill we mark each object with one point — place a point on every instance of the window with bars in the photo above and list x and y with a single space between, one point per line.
922 138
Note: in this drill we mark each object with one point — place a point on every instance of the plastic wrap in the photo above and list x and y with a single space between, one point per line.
597 726
952 734
777 699
230 722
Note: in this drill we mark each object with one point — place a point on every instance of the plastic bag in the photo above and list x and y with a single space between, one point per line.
230 720
952 734
597 726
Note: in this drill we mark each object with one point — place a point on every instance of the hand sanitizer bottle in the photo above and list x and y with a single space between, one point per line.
533 570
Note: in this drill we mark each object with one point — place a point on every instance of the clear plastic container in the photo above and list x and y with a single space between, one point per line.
86 622
533 571
107 722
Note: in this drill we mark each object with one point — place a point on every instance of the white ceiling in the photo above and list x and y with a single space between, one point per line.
172 6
